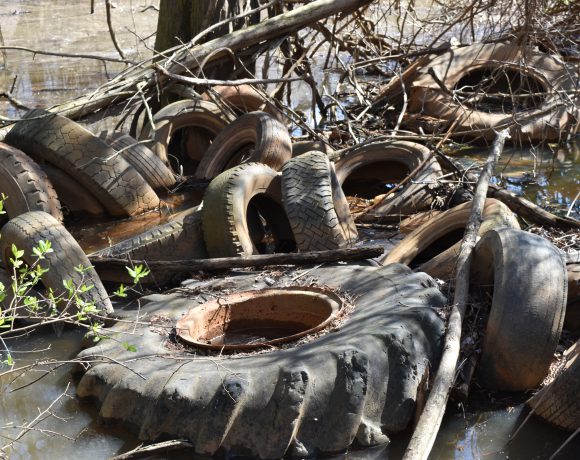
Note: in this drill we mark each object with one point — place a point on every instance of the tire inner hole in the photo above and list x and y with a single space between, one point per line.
374 179
437 247
496 90
268 226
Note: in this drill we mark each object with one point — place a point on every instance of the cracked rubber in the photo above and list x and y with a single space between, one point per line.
357 383
528 275
234 205
26 230
51 138
558 403
142 158
25 185
315 204
254 137
181 238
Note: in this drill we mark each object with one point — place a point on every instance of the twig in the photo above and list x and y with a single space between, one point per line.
71 55
111 31
152 449
432 415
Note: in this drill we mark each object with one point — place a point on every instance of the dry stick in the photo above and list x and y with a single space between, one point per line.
152 449
111 31
70 55
262 260
430 420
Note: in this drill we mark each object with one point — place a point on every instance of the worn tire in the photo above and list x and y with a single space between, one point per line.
357 383
434 246
254 137
528 275
51 138
242 99
551 119
199 122
232 206
573 281
558 403
181 238
298 148
143 159
315 204
25 185
26 230
379 163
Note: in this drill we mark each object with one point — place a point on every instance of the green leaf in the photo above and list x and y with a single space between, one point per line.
122 291
129 347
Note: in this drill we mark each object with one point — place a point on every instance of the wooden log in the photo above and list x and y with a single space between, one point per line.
531 211
144 77
261 260
426 430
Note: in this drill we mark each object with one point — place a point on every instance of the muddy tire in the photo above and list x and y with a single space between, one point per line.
528 275
254 137
365 170
558 403
357 383
235 206
26 230
51 138
242 99
315 204
181 238
142 158
434 247
25 185
550 118
197 122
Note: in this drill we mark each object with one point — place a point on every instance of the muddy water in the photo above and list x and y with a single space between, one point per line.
73 432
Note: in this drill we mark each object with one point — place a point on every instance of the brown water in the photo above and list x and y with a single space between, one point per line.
58 25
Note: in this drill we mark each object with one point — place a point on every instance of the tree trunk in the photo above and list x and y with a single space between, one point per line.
179 21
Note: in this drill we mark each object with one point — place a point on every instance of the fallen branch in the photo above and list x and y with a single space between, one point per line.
430 420
531 211
262 260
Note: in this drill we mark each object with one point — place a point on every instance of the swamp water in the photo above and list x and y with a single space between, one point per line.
72 431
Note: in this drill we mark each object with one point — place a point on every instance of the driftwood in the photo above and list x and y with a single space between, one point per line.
432 415
531 211
144 77
262 260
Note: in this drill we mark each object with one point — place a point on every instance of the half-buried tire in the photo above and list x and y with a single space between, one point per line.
51 138
354 383
243 214
26 230
25 185
315 204
528 276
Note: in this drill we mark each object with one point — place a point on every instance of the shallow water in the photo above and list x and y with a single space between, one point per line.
546 178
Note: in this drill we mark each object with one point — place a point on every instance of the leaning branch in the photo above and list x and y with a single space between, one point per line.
262 260
432 415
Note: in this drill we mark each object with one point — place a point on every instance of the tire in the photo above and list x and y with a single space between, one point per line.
357 383
550 119
298 148
434 247
235 205
365 170
181 238
528 275
254 137
74 198
197 122
142 158
25 185
573 281
558 403
315 204
51 138
26 230
243 99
